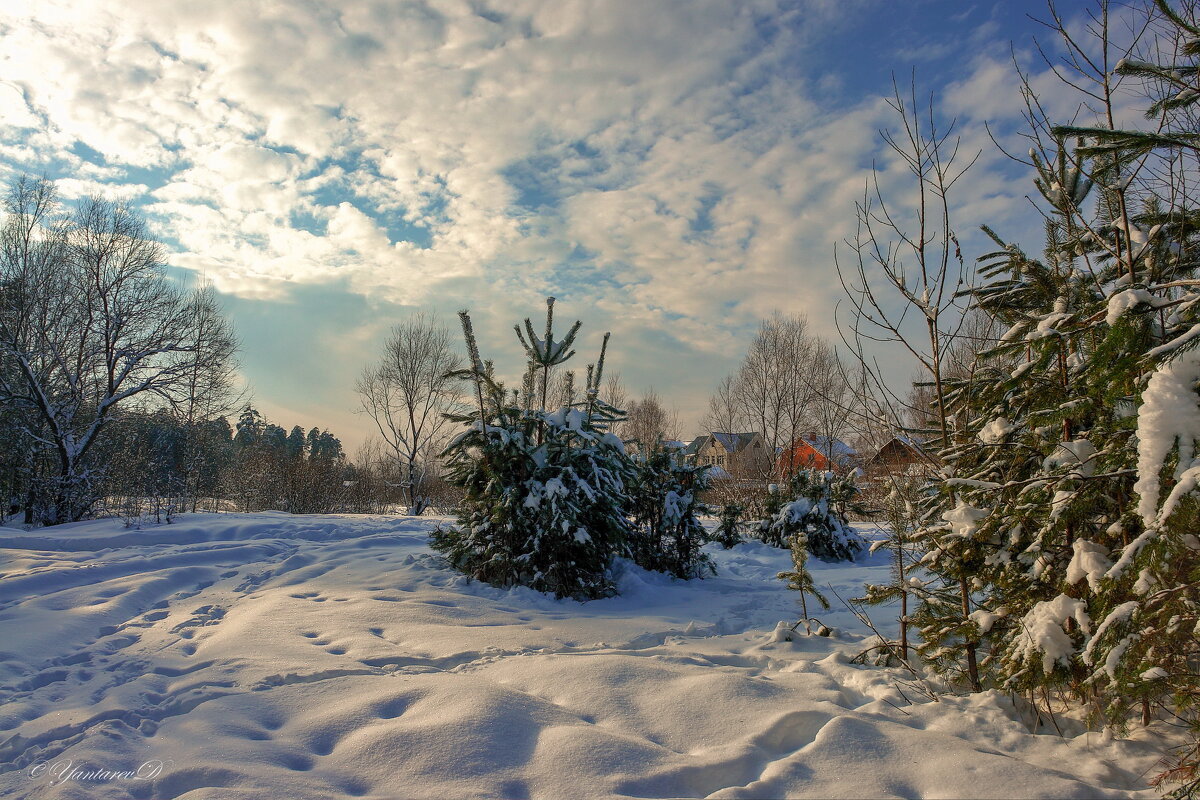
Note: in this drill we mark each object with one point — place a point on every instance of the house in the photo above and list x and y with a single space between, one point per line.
737 454
900 455
812 451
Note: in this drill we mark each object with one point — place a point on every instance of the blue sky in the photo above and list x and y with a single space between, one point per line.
671 171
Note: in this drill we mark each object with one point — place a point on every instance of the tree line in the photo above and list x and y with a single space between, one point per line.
117 384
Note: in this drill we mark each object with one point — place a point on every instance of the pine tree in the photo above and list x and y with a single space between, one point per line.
900 511
818 507
799 578
295 443
771 507
249 428
1068 431
729 529
544 491
666 535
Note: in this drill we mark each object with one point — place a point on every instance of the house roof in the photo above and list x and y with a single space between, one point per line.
902 443
730 442
832 447
734 442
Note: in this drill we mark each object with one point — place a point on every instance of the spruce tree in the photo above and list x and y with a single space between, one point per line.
729 529
817 508
666 534
544 491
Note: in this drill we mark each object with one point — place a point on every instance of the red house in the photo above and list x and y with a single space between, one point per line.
815 452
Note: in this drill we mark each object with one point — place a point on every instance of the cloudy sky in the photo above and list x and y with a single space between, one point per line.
671 171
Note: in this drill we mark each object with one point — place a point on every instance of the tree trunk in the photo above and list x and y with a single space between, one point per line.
968 645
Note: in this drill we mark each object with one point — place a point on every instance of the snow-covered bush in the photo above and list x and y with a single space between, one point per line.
816 508
667 536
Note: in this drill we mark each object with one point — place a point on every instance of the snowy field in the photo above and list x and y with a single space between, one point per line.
272 656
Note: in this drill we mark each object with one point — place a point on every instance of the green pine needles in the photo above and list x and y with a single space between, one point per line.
667 536
551 497
799 579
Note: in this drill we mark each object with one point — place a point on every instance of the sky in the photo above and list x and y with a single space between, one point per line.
672 172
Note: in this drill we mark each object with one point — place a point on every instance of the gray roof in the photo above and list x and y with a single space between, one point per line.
732 442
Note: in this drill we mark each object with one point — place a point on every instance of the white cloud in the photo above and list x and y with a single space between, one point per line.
394 147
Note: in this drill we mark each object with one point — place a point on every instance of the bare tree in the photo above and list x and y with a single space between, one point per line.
88 322
724 413
789 383
649 421
774 385
829 411
209 387
905 273
407 394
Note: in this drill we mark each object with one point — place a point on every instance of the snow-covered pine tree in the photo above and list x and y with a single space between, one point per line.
729 528
817 508
1035 473
667 536
1143 650
771 506
544 491
1075 587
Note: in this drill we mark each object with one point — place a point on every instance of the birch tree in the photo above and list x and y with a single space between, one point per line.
407 394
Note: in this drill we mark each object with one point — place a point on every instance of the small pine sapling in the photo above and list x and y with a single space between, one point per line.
799 579
901 520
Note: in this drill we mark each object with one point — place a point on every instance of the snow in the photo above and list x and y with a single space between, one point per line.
995 431
1043 632
1123 301
269 655
1168 417
964 519
1048 325
1077 456
1118 616
1089 560
984 619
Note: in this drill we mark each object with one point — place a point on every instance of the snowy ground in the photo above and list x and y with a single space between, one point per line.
265 655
